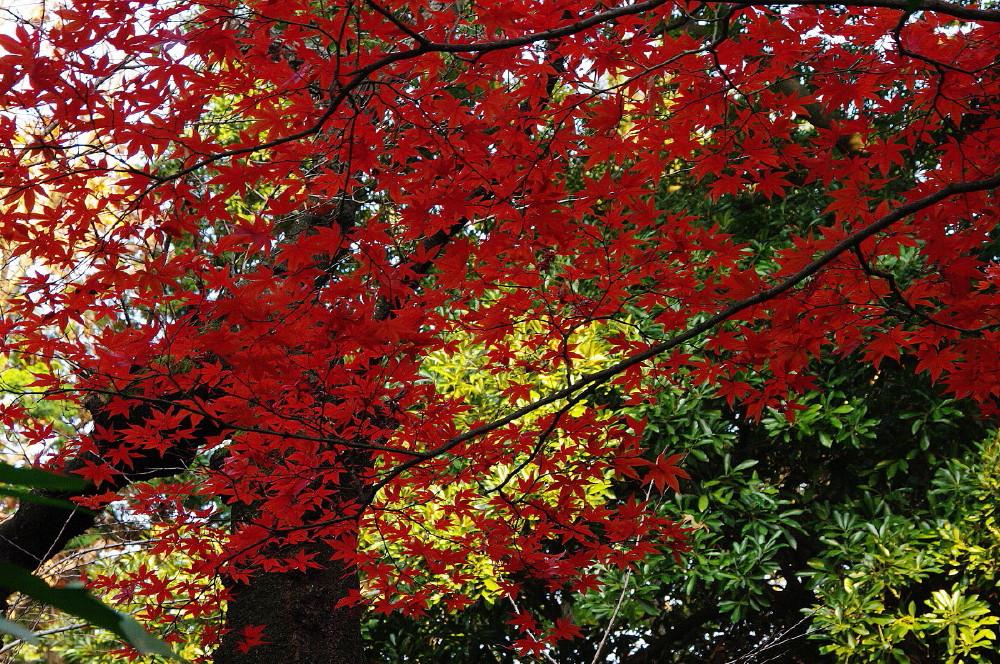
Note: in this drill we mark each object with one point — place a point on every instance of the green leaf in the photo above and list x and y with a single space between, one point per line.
75 600
18 631
143 641
28 496
40 479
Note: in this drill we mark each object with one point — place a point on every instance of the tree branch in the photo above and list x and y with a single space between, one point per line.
598 377
936 6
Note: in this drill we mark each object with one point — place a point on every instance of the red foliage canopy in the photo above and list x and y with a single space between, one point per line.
236 232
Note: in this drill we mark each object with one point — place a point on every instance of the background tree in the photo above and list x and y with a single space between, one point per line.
830 538
301 204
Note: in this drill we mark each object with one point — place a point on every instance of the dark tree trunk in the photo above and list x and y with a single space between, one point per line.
303 624
301 614
37 532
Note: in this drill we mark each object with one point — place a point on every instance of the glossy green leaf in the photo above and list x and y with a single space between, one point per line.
75 600
40 479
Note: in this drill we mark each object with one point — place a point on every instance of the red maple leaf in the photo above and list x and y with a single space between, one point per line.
250 636
664 472
97 473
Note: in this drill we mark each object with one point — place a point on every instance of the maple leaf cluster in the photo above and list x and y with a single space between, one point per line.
238 233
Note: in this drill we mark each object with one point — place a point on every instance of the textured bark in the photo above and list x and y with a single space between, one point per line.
303 623
300 611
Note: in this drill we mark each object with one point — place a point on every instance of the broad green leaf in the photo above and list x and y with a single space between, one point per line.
32 497
40 479
75 600
17 631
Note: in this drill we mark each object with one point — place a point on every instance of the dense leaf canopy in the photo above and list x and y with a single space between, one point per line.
248 245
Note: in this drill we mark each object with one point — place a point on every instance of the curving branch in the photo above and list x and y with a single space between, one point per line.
908 6
603 376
